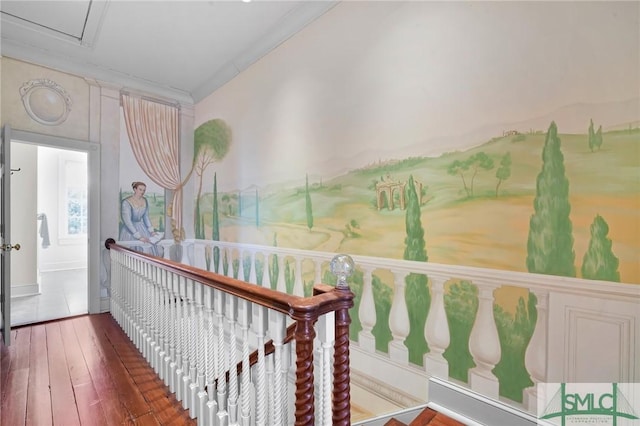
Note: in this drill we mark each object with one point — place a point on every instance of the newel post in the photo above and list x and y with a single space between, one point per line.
342 266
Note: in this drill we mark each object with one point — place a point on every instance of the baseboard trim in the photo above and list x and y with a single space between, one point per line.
23 290
454 400
105 304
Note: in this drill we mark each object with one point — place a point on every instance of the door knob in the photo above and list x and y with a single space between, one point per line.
9 247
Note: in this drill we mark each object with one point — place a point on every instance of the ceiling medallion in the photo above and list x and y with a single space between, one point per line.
45 101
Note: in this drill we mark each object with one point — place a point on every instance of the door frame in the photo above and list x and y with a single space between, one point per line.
93 198
5 234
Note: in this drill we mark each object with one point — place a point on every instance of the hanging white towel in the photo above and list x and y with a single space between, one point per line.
44 230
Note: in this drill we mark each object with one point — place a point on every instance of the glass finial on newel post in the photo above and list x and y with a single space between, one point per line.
342 266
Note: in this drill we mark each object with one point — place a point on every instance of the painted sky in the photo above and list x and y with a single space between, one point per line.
373 78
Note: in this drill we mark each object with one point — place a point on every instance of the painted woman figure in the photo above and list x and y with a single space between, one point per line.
136 224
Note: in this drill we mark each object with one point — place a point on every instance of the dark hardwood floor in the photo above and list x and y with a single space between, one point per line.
81 371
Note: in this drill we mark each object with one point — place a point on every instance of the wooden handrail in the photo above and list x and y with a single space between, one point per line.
304 310
323 301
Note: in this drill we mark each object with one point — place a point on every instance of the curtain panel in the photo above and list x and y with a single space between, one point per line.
153 129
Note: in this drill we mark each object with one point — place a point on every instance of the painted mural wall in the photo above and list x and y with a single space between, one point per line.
517 122
501 135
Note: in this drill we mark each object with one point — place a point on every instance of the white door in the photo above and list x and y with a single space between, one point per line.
73 219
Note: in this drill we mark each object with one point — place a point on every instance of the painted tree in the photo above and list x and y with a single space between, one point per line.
598 138
550 242
274 266
504 171
309 208
479 161
215 224
599 262
591 136
595 138
212 140
417 292
458 168
198 226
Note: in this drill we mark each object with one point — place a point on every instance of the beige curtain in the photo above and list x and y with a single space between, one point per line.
153 130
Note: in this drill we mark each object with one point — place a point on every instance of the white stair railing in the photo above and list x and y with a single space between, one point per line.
191 325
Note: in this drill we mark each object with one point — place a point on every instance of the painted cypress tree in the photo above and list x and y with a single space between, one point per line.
417 292
599 262
215 226
309 209
504 171
592 136
550 243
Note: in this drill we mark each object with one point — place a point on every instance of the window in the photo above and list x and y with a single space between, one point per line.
73 202
76 211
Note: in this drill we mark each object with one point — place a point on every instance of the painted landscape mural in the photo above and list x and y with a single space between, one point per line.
497 135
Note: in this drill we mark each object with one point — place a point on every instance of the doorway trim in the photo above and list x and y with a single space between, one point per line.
93 175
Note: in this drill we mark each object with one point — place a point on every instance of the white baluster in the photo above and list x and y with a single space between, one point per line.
259 325
244 315
189 361
154 344
221 364
210 354
174 346
367 313
277 329
535 358
436 331
181 331
163 313
326 335
484 344
232 314
270 388
399 321
197 363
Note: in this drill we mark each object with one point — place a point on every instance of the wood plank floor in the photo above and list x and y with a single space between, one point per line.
81 371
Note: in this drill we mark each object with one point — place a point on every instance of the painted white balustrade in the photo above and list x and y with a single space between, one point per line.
484 344
436 331
581 311
399 320
367 313
536 357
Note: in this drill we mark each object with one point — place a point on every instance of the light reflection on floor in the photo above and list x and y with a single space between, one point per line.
63 294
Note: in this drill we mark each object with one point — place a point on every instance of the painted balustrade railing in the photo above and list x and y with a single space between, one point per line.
196 327
570 314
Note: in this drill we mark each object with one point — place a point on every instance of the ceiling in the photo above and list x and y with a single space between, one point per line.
182 50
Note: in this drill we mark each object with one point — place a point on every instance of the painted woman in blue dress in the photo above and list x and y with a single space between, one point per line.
136 225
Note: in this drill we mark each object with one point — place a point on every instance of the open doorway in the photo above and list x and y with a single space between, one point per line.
49 219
